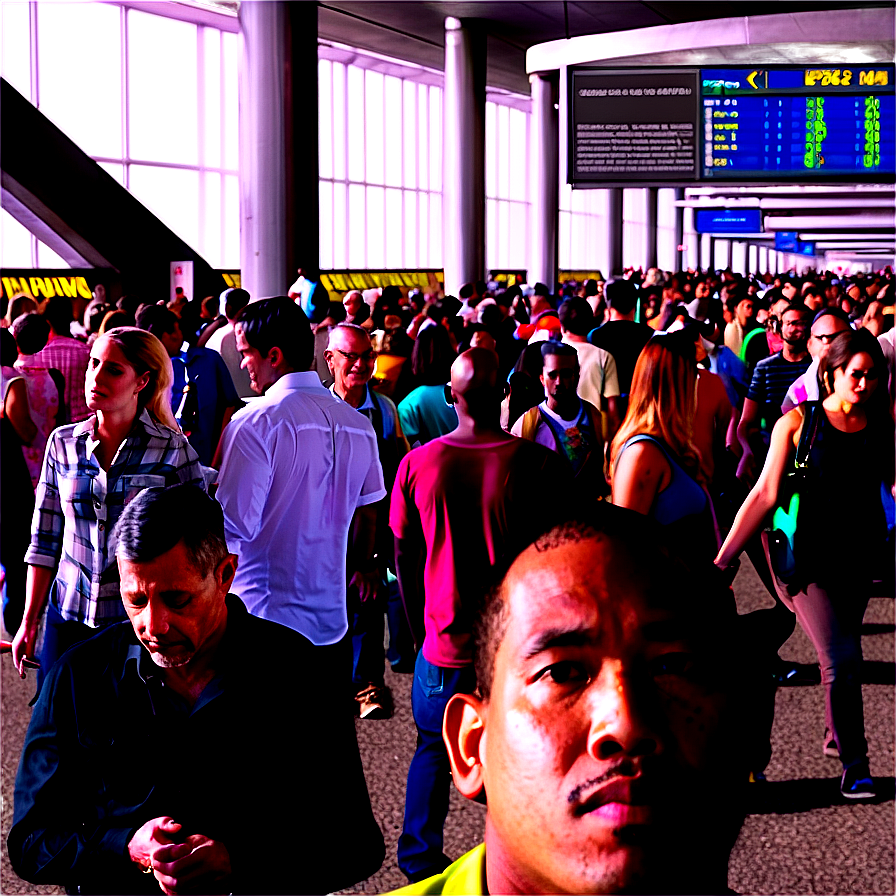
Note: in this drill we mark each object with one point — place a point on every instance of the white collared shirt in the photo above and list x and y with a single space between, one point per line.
297 463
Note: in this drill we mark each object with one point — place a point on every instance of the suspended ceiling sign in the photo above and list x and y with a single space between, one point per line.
771 124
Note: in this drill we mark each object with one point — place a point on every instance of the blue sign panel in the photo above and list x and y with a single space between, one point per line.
723 220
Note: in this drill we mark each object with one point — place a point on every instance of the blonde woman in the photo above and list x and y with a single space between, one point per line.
90 471
654 464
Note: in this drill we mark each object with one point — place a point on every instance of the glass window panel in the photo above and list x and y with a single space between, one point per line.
394 230
15 242
409 134
411 257
517 154
230 86
577 200
376 228
210 223
172 194
491 237
326 225
503 233
340 259
231 249
15 47
47 258
117 171
435 139
355 124
502 131
163 89
563 240
423 138
212 87
519 219
372 138
435 230
338 121
325 117
423 231
82 95
395 135
357 227
491 149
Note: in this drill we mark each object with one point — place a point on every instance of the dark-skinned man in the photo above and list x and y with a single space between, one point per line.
458 503
565 423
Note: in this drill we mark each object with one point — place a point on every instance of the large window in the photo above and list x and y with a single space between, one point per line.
380 133
152 99
582 230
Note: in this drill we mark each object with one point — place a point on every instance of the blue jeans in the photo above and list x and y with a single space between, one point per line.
429 777
367 627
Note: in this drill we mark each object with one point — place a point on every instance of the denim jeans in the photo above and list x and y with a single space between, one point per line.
367 627
429 776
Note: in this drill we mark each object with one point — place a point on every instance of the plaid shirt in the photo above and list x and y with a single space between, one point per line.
69 357
75 511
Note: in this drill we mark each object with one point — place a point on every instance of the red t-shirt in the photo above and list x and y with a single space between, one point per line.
467 502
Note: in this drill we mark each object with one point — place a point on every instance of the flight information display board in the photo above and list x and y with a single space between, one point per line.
798 123
771 124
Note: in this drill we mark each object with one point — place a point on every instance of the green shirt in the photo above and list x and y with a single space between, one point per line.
465 876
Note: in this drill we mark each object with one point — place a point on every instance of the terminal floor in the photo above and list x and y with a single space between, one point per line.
800 837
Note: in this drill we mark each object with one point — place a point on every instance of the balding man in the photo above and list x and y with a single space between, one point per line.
458 503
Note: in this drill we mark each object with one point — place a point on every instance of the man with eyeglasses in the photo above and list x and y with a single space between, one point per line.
828 323
300 476
351 360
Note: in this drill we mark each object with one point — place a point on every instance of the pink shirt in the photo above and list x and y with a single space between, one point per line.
69 357
466 503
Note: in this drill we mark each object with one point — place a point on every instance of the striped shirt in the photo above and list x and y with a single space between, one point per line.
78 504
772 377
69 357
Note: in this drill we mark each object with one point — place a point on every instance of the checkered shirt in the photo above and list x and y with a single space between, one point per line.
75 511
69 357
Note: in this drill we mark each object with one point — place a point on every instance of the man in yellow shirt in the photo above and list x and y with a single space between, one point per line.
612 754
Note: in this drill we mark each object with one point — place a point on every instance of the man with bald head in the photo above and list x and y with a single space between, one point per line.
458 504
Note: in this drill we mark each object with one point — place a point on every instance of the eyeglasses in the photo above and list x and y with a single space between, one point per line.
826 338
353 357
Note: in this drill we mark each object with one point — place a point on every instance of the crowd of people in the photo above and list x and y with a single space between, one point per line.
482 476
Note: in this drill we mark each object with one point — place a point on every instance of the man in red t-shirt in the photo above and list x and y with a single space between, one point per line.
458 502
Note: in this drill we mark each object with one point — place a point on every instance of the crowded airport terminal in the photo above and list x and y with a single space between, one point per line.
469 383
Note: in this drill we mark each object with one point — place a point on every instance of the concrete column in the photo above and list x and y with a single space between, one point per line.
752 258
762 260
263 202
544 180
463 155
691 240
650 241
738 257
614 231
721 253
681 257
705 251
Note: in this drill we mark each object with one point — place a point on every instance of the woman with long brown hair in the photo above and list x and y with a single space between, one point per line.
654 463
849 475
90 472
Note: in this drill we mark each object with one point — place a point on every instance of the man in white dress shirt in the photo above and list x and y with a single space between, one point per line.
298 467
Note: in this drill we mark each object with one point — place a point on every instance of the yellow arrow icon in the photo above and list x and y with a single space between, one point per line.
750 80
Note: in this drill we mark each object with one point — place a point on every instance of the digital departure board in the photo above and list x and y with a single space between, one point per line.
798 123
763 124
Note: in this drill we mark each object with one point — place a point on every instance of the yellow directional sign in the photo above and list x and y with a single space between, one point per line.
751 80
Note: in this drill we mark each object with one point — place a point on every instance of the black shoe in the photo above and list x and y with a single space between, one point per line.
857 783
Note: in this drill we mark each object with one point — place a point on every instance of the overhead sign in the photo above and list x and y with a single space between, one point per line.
723 220
768 124
787 241
633 125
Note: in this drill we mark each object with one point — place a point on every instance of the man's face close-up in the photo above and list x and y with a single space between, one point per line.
350 357
260 370
560 376
602 729
795 328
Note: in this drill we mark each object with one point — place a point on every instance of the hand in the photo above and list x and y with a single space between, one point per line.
367 583
746 469
196 865
147 838
23 645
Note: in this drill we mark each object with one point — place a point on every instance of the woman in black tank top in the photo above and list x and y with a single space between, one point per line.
850 477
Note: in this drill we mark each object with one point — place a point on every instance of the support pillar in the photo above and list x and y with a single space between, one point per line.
752 259
614 231
737 259
681 256
705 251
762 261
463 155
278 172
650 242
692 241
544 180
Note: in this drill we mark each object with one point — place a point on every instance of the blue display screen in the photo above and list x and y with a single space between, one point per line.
798 123
708 220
